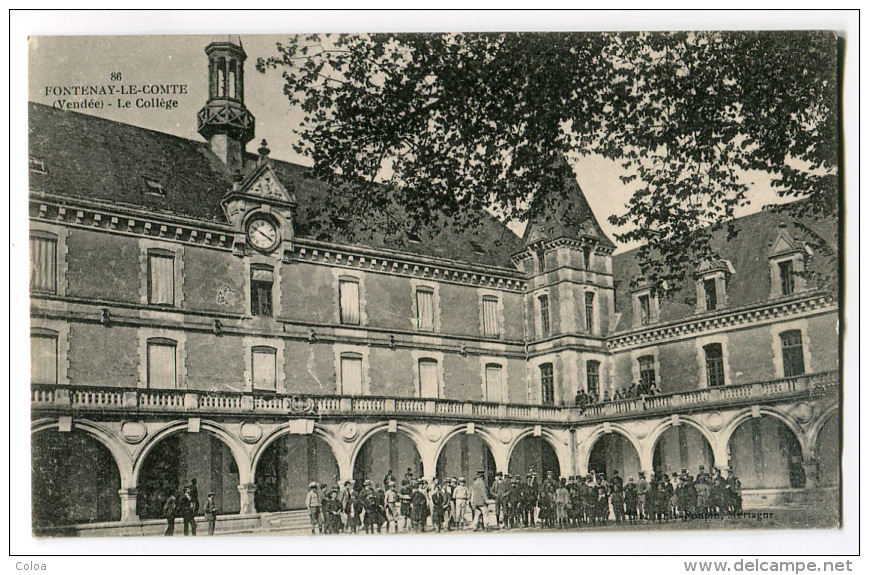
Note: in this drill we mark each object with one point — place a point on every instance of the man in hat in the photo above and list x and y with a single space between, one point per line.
439 504
404 497
312 503
480 501
419 507
409 477
528 497
642 493
462 496
449 504
210 513
371 519
170 512
499 490
391 500
188 509
631 500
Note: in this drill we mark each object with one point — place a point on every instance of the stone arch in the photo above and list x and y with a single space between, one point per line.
741 416
95 495
766 449
284 463
814 431
557 445
242 459
422 446
603 431
213 456
485 436
655 436
111 442
339 450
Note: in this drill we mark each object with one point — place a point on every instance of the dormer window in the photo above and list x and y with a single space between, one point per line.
478 249
645 306
787 264
712 278
37 166
153 188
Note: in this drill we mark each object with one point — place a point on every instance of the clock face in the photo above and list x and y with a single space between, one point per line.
262 234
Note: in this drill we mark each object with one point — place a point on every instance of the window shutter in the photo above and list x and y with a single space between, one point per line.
161 366
349 301
425 310
43 359
428 378
162 279
264 365
494 384
351 376
491 325
43 264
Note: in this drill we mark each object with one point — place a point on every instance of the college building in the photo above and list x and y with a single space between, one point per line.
190 320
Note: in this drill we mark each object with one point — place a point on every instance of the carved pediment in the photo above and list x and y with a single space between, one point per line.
264 183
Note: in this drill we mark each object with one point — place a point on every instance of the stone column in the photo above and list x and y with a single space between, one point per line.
246 499
128 505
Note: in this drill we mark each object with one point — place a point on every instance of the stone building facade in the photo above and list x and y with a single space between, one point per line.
189 321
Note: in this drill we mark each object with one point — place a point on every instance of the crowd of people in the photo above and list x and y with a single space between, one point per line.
510 502
583 398
184 503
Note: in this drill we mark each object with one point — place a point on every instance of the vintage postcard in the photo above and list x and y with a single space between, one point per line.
344 285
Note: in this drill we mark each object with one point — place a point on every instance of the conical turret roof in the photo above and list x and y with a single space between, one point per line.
566 214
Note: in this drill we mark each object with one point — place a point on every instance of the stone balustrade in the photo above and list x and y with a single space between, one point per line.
121 400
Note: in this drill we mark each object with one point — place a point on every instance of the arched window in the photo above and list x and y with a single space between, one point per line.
714 365
351 374
162 363
589 312
592 377
792 353
428 378
547 384
262 280
494 383
544 315
348 300
647 371
264 368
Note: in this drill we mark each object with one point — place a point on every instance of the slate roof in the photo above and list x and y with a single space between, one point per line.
98 159
571 218
748 253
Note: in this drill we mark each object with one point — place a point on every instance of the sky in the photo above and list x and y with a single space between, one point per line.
62 61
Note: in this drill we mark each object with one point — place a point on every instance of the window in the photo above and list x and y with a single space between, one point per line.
494 383
792 353
428 378
154 188
262 279
491 325
348 294
592 377
264 367
645 309
351 374
43 357
161 364
547 385
161 277
647 371
786 274
589 312
541 261
43 263
425 309
714 365
711 294
544 315
586 256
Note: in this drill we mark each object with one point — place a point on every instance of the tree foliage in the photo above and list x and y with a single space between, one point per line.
426 128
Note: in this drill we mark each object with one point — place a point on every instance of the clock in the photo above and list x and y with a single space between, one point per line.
262 234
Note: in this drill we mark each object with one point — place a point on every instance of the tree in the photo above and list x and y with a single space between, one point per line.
415 130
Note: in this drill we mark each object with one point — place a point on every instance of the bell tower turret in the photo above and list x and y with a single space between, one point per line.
224 120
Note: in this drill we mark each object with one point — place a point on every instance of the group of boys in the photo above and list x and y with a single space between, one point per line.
551 503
